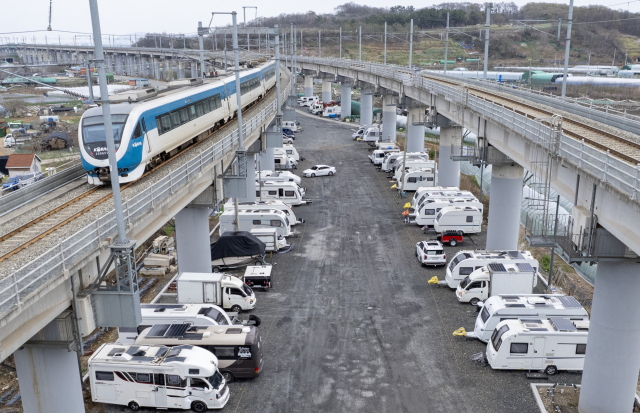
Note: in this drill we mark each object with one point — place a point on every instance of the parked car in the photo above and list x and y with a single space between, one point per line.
31 178
288 133
319 170
12 184
287 140
450 237
430 253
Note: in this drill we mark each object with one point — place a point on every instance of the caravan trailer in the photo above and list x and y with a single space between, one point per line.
332 112
358 133
496 278
289 124
288 192
279 176
426 215
238 348
545 345
423 162
378 155
422 194
255 219
372 134
182 377
466 220
522 307
390 164
283 161
271 204
416 178
465 262
291 151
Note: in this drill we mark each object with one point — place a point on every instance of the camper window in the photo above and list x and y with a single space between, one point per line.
496 337
159 379
289 193
277 160
273 192
466 270
469 218
257 222
484 314
429 178
429 211
519 348
108 375
225 353
176 381
275 223
581 348
143 378
412 179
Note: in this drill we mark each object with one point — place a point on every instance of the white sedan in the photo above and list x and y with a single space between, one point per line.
319 170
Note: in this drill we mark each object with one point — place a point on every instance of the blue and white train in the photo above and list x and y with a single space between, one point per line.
148 132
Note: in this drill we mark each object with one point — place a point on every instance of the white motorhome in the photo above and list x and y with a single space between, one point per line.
390 162
467 220
426 215
412 164
377 156
546 345
253 219
182 377
316 108
283 161
216 288
358 133
496 278
271 204
279 176
194 314
466 262
291 125
416 178
288 192
272 241
308 100
372 134
524 307
422 194
332 112
291 151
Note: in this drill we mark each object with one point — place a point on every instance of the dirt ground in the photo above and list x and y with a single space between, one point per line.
564 397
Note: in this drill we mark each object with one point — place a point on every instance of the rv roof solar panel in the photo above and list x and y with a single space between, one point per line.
515 305
141 358
133 350
178 359
524 266
509 297
515 254
532 321
162 305
158 330
162 351
562 324
174 351
497 267
569 302
176 330
538 329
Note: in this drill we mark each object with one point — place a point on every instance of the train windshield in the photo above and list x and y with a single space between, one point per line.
93 129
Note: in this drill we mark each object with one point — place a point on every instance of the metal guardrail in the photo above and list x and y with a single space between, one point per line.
26 280
11 201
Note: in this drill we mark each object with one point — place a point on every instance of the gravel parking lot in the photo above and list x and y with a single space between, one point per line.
351 324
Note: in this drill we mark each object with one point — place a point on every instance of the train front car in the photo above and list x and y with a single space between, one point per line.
129 141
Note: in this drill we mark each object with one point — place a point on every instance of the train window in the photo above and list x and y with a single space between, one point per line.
166 123
137 132
144 127
199 109
205 105
175 119
184 115
192 112
217 103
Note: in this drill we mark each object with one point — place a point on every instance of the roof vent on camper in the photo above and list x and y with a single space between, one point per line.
536 300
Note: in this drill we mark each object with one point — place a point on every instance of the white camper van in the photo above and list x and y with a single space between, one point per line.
419 163
372 134
291 151
524 307
546 345
307 100
496 278
378 155
253 219
416 178
332 112
283 161
358 133
467 220
465 262
422 194
390 163
291 125
426 215
194 314
279 176
271 204
182 377
288 192
215 288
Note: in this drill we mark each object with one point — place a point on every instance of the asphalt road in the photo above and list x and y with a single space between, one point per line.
351 324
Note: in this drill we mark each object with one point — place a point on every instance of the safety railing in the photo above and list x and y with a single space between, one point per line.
23 282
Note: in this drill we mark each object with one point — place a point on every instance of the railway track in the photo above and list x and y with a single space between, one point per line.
617 146
28 234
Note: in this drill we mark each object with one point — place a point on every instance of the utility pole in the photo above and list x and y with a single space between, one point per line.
201 31
319 44
410 43
446 46
340 42
385 43
566 51
360 44
486 38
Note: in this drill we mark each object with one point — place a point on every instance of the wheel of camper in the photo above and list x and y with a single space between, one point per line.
551 370
227 376
134 406
259 263
474 302
198 406
330 173
236 309
217 269
453 242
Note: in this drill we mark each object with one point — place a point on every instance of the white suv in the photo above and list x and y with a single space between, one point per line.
430 253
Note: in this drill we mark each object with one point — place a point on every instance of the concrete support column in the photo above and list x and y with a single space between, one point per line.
504 205
194 69
192 240
366 106
267 160
251 179
448 169
180 69
119 69
308 85
144 61
612 360
326 90
389 119
415 130
49 380
345 100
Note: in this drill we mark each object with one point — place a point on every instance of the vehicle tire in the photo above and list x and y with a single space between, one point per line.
474 302
236 309
313 175
217 269
134 406
258 263
227 376
550 370
330 173
198 406
453 242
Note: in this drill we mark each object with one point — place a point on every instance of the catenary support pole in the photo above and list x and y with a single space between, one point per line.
360 44
567 50
446 46
319 43
410 43
340 42
486 39
201 44
385 43
559 27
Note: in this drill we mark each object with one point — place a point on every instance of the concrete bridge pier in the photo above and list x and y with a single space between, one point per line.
448 169
251 178
366 106
194 69
180 69
345 100
504 206
108 61
308 85
144 63
48 374
612 358
267 160
192 238
119 70
389 118
415 129
326 90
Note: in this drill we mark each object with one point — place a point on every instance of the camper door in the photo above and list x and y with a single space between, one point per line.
160 388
